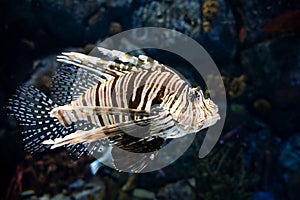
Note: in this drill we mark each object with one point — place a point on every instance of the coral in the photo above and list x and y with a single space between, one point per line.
210 9
236 87
206 26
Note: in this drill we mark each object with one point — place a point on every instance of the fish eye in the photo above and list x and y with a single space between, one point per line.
195 94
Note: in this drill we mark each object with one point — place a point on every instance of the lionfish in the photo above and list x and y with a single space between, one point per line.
119 100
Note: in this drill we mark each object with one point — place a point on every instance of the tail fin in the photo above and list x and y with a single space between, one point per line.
31 108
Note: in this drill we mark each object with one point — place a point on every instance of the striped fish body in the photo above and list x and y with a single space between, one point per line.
141 92
132 102
135 91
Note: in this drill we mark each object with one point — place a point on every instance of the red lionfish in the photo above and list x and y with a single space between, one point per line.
110 100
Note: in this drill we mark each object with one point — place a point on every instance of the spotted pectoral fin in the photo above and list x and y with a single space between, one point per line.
133 162
131 145
126 152
136 147
116 157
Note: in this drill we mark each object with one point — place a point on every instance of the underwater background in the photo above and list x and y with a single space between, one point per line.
256 46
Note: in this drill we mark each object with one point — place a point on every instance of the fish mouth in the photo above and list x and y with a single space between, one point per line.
214 116
211 120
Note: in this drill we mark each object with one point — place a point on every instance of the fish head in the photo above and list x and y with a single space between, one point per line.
205 111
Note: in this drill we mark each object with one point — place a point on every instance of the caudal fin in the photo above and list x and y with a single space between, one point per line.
31 108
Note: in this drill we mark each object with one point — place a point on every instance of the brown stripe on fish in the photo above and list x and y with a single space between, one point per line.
80 115
109 100
118 92
156 89
89 102
103 103
113 92
130 93
95 102
97 94
206 106
61 118
84 103
139 84
125 90
146 89
173 98
185 102
113 100
182 97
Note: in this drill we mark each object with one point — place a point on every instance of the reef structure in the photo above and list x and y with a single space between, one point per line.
181 15
210 9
